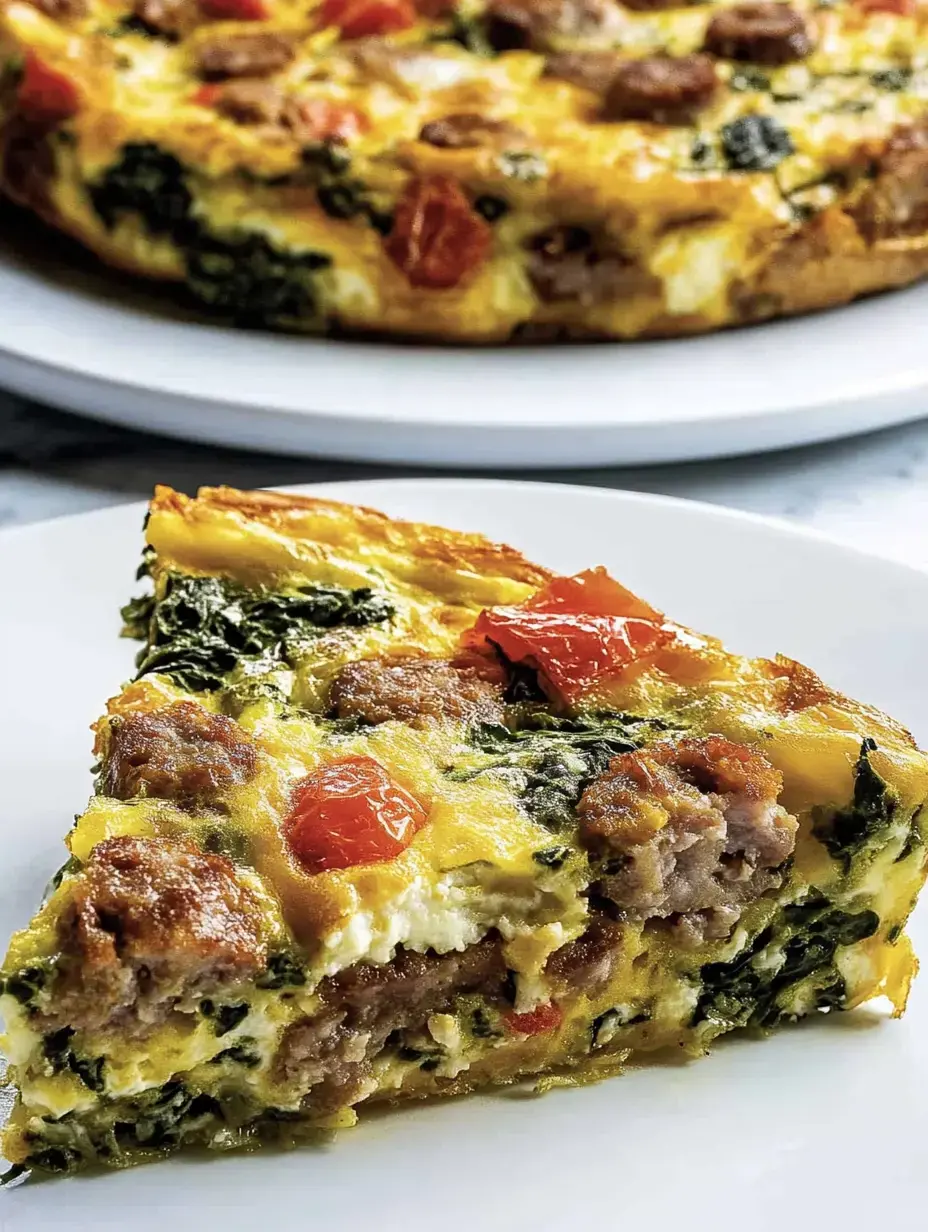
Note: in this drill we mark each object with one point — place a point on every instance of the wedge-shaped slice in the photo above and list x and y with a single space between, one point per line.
389 812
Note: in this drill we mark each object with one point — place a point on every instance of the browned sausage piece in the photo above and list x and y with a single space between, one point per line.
897 204
367 1003
418 691
244 55
565 264
594 70
468 129
662 89
251 102
28 171
149 920
685 826
62 10
587 963
181 752
514 25
759 33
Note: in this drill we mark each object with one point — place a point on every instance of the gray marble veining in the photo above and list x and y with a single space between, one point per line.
871 490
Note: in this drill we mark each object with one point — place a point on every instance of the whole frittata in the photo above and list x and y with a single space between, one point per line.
517 169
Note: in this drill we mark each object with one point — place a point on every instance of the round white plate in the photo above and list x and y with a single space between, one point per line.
83 339
820 1127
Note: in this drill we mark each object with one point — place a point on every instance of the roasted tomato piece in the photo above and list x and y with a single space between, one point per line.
438 239
593 592
350 812
539 1021
235 10
323 120
903 8
45 96
575 630
207 94
364 18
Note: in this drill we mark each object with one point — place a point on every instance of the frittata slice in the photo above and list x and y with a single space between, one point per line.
390 812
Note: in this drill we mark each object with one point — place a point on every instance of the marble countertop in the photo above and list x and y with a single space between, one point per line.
871 491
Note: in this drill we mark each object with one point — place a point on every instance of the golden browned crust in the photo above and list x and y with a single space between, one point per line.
828 263
328 522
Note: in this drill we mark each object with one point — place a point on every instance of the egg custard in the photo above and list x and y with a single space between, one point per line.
390 812
479 172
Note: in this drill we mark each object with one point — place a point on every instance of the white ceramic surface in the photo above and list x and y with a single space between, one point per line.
820 1127
78 338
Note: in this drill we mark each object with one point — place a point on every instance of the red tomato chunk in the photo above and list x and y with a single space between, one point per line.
46 96
539 1021
367 18
235 10
902 8
438 239
576 630
350 812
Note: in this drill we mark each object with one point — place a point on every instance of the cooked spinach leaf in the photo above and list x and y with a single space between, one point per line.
549 760
751 988
755 143
57 1050
468 31
283 971
148 182
243 1053
749 79
157 1120
24 985
872 810
551 857
238 273
243 275
327 167
71 866
225 1017
202 627
892 79
604 1028
174 1113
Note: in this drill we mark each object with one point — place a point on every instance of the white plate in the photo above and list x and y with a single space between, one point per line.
85 340
820 1127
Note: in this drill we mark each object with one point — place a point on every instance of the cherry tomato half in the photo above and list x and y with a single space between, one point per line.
539 1021
438 239
364 18
575 631
235 10
46 96
350 812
